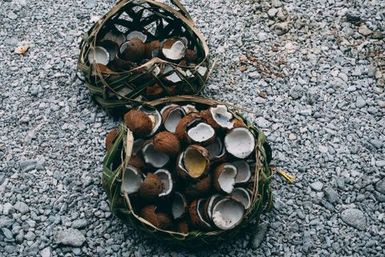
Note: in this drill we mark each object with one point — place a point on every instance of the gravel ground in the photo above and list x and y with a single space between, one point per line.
312 75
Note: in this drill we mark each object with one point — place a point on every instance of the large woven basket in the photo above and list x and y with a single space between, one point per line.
118 156
117 89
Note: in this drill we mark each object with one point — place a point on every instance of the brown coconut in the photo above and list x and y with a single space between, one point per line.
133 50
138 122
160 220
166 142
111 137
199 188
151 187
182 227
180 130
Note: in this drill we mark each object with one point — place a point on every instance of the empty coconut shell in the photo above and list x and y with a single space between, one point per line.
224 178
153 157
166 142
218 117
180 130
193 163
171 116
178 206
240 142
227 214
196 210
173 49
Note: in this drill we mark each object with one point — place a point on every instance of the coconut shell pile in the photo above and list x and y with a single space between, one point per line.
143 50
187 167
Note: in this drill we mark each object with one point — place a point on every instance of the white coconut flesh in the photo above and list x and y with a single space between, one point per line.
166 179
216 149
221 116
201 133
226 179
211 202
131 180
155 117
194 162
189 108
227 214
136 35
115 36
99 55
178 207
176 51
173 118
153 157
242 195
244 171
240 142
200 211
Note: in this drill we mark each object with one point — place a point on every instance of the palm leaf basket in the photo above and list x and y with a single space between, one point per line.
118 155
153 77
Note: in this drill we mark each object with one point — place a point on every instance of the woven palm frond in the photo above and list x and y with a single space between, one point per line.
124 59
122 204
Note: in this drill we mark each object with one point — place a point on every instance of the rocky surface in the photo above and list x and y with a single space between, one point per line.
311 73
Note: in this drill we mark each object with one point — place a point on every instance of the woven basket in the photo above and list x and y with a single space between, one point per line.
117 89
116 161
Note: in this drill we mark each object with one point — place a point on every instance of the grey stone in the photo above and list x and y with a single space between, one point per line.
272 12
262 122
281 28
331 195
354 218
7 233
46 252
30 236
380 186
364 30
360 102
81 223
21 207
276 3
7 207
70 237
376 143
317 186
5 221
259 235
380 163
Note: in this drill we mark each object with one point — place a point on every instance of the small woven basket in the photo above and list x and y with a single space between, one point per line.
154 76
118 155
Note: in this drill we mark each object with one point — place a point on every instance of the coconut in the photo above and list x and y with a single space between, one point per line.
173 49
111 137
196 210
182 227
136 35
154 158
209 204
166 179
171 116
191 55
240 142
224 178
138 122
181 128
152 48
193 163
154 115
178 206
131 180
158 219
166 142
200 133
227 214
216 149
151 187
242 195
111 47
218 117
133 50
136 161
99 55
199 188
115 36
189 108
243 171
